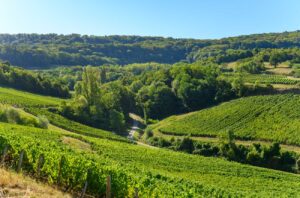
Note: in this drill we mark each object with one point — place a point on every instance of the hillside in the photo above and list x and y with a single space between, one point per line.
47 50
38 105
171 173
271 117
153 171
26 80
12 185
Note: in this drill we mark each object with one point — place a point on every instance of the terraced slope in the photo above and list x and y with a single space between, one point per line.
37 105
156 172
26 99
272 117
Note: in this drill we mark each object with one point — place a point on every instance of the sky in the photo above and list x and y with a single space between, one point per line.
202 19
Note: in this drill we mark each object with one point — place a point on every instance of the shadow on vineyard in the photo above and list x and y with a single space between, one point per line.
256 154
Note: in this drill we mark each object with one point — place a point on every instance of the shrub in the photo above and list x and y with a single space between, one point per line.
12 115
148 133
186 145
42 122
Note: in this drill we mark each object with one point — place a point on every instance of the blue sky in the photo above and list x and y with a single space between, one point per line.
174 18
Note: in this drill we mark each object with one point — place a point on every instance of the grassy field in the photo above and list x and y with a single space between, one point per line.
273 118
156 172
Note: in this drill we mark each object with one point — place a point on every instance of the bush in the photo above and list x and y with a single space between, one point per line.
298 165
42 122
251 66
12 115
186 145
117 121
148 133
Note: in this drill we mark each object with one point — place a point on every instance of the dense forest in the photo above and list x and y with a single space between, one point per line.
40 51
29 81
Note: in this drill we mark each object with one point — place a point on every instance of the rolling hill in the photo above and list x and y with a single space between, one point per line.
269 117
72 158
48 50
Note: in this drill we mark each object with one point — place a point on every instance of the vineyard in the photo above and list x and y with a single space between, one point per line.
266 79
37 105
271 79
72 126
25 99
274 118
154 172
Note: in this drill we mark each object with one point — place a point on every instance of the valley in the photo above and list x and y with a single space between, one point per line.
219 119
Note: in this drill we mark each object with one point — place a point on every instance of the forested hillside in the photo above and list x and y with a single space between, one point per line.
26 80
90 94
40 51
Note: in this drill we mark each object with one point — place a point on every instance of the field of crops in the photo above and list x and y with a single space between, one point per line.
266 79
271 79
25 99
36 104
156 172
273 117
73 126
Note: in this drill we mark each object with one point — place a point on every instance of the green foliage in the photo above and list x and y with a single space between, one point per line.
148 133
42 122
28 81
41 51
186 145
273 117
38 105
155 172
25 99
12 115
89 86
96 105
251 66
266 79
158 100
56 119
184 87
117 121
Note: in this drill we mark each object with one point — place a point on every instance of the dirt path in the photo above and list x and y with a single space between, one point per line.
133 129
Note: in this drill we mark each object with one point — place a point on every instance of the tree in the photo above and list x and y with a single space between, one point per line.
103 76
238 85
186 145
158 101
298 165
274 59
89 87
117 121
251 66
